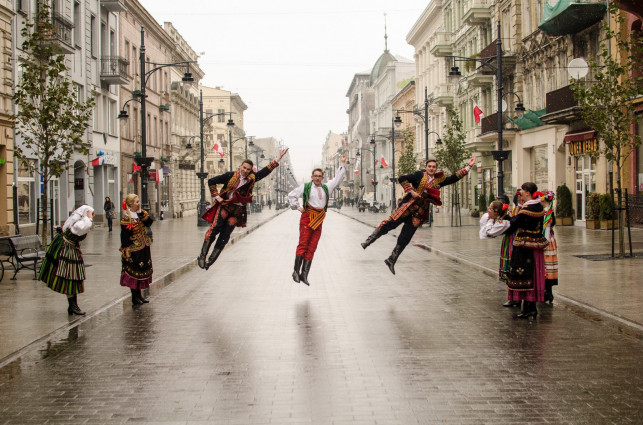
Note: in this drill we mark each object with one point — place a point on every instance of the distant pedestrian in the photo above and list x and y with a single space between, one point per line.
63 269
136 257
110 212
526 277
551 251
315 204
422 189
269 204
229 207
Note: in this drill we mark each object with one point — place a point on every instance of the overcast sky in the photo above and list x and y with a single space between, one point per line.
291 61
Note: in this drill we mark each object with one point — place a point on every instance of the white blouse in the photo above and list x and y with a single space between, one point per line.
490 228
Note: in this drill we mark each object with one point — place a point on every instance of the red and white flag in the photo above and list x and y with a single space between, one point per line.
384 163
477 112
356 166
217 147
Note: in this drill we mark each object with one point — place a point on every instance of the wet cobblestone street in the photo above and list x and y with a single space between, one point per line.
243 344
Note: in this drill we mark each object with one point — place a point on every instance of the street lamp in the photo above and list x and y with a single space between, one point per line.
425 119
143 161
499 155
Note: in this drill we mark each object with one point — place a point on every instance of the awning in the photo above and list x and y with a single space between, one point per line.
530 119
570 16
575 136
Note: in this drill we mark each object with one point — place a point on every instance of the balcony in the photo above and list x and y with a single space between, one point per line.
440 44
113 5
443 95
477 12
561 107
491 51
60 37
480 79
113 70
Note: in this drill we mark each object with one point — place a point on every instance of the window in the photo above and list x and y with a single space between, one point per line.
77 25
527 17
93 37
26 192
111 118
221 117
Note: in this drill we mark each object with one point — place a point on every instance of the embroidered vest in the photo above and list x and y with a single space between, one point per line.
307 187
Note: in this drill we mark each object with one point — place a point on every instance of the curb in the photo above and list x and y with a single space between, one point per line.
579 308
62 334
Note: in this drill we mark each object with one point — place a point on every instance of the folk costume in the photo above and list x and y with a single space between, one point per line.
551 251
228 209
63 269
492 228
136 257
315 204
526 276
412 212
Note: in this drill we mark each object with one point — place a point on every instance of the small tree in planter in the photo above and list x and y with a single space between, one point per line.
593 211
564 206
606 210
482 205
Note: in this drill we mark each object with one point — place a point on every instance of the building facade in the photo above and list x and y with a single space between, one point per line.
7 218
87 34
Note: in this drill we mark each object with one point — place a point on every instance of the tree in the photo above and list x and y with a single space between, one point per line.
51 119
408 159
452 154
606 100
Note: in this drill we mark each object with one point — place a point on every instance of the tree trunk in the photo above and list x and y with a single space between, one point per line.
619 211
45 208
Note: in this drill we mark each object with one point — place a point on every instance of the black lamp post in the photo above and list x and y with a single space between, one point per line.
144 162
499 155
425 119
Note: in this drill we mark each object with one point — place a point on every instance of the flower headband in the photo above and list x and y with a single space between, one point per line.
505 207
537 194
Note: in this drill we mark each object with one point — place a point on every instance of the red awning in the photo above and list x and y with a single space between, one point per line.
575 136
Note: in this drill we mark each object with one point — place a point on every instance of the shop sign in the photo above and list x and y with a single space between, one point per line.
583 147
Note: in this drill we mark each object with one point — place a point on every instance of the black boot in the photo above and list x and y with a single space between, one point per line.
213 257
73 306
142 299
135 299
511 304
295 274
392 259
372 238
204 253
530 310
305 268
549 294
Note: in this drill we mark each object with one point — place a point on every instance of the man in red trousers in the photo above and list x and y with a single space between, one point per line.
315 196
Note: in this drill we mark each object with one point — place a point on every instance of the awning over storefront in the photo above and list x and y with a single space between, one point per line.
576 136
569 16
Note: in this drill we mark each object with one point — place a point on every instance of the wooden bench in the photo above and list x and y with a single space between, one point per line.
26 253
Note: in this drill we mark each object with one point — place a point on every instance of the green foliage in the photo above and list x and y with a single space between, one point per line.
408 159
452 154
564 201
606 208
50 120
482 203
593 206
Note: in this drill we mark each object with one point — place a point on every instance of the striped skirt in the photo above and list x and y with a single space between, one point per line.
551 261
63 269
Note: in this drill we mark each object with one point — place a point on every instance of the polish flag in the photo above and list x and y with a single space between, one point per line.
477 112
356 166
254 169
135 168
383 161
217 147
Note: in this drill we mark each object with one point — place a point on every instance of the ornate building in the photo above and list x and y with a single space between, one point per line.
7 223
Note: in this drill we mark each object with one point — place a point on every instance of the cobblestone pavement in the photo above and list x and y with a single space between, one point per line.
243 344
605 290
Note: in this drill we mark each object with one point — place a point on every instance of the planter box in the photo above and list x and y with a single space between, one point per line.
565 221
607 224
592 224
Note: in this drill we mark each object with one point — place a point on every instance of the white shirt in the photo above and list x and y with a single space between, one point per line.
490 228
317 195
